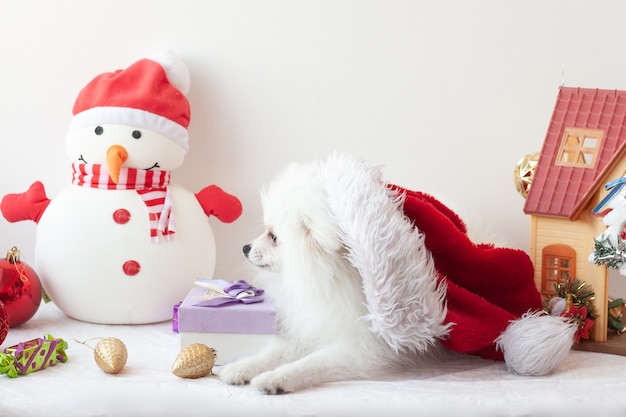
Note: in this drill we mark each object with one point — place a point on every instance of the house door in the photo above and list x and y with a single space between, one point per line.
558 265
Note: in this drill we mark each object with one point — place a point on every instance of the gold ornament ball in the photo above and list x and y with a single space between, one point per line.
524 173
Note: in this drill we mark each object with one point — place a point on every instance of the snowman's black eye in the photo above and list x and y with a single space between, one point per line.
99 130
136 134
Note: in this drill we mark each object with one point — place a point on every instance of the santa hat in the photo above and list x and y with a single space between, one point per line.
425 282
149 94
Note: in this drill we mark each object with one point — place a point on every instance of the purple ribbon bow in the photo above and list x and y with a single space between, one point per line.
222 292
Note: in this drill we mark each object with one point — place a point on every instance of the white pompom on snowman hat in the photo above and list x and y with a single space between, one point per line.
149 94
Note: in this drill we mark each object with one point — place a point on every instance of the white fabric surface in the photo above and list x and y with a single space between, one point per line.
586 383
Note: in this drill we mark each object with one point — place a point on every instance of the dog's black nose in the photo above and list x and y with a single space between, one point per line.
246 249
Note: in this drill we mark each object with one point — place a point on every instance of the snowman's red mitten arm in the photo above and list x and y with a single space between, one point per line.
28 205
216 202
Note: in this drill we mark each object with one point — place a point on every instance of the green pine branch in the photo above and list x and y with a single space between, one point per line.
605 253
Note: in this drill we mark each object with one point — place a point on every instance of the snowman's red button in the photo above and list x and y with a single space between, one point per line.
131 268
121 216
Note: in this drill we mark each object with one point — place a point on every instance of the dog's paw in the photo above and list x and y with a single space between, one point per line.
279 381
238 373
270 383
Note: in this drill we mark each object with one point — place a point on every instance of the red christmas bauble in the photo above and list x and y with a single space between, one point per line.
4 322
20 289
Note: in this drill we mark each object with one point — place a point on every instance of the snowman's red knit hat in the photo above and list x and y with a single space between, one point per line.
149 94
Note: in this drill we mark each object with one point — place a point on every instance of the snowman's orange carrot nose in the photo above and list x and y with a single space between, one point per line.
116 155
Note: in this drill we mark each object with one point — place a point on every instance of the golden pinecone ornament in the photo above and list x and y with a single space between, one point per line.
110 355
524 172
195 361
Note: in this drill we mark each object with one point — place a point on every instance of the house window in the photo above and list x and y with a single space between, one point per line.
579 147
559 264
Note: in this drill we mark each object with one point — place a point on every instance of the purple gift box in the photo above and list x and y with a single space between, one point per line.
175 316
233 330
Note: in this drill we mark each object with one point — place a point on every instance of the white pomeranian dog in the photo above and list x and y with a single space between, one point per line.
320 302
326 322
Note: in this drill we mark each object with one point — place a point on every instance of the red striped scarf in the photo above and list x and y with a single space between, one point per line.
151 186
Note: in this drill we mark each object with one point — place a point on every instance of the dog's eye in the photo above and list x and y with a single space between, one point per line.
272 236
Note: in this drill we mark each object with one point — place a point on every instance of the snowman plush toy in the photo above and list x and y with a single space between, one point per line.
122 244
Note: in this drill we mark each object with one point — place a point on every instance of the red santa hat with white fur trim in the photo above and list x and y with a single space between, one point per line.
149 94
426 282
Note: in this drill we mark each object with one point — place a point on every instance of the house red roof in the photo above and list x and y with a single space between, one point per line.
560 190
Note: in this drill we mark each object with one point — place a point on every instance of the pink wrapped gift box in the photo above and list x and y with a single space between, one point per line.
233 330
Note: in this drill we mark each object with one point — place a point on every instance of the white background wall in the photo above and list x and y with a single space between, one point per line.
447 95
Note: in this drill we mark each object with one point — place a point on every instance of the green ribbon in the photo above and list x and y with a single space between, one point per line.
60 349
7 365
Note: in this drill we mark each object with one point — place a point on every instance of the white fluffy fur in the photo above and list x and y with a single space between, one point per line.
355 287
323 336
536 344
405 303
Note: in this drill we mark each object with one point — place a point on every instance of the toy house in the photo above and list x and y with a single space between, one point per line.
584 149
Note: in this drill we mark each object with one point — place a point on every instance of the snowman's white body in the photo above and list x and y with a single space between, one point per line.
133 119
81 250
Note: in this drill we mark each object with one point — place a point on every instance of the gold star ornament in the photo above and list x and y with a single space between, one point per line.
524 173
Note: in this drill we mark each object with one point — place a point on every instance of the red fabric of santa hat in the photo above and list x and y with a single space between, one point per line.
486 287
426 282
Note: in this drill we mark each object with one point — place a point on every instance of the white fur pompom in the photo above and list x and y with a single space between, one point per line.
176 70
536 344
